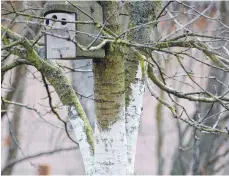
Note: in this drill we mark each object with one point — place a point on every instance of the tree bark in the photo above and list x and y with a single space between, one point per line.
140 13
14 125
110 137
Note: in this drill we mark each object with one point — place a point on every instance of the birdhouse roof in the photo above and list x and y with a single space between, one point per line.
59 6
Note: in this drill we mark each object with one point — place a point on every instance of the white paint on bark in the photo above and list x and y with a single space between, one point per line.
110 148
133 114
81 137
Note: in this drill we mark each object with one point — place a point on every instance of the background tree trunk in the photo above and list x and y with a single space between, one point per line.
208 144
19 88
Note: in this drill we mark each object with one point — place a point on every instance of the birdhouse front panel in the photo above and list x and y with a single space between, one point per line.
59 36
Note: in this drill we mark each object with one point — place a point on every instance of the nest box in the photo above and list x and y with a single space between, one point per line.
56 45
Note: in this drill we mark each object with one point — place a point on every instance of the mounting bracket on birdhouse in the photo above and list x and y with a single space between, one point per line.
60 34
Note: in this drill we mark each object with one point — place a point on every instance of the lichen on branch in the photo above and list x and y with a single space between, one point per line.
56 78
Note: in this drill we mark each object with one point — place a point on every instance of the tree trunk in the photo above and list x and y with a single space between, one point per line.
14 125
140 13
110 137
118 118
18 92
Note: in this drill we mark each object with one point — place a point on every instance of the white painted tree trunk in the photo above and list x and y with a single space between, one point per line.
133 114
115 148
111 148
81 137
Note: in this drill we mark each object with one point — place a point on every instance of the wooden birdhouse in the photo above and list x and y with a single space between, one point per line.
60 34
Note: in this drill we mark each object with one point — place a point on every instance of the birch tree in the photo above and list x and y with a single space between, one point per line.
120 78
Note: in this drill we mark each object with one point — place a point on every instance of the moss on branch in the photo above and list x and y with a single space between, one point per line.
179 94
56 78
